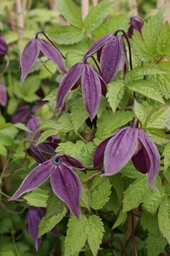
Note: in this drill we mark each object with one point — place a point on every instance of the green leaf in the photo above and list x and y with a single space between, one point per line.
85 197
45 135
66 35
95 233
146 88
100 192
163 41
109 122
77 234
166 154
3 150
22 127
157 136
149 222
120 220
115 93
54 206
70 12
164 218
130 171
97 15
72 58
78 114
141 112
118 185
38 197
158 118
155 244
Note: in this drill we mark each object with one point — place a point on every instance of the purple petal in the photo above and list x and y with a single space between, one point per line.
97 45
67 186
34 179
153 155
36 154
91 90
120 149
21 114
72 162
3 95
111 58
3 47
67 82
141 161
52 53
28 57
33 125
99 153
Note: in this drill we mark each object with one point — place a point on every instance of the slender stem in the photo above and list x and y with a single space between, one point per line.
96 64
92 176
6 66
133 236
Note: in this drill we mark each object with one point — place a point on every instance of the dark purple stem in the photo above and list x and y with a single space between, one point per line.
133 236
96 64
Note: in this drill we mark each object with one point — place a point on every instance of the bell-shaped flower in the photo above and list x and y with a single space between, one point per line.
111 54
92 86
64 181
34 216
128 144
3 47
31 52
3 95
136 23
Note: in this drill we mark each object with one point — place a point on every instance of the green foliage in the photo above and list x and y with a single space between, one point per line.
37 197
155 244
162 45
163 218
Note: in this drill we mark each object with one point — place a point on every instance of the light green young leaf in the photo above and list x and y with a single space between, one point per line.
70 12
166 154
149 222
115 93
78 114
146 88
158 118
3 150
163 41
164 218
66 35
100 192
130 171
85 197
163 83
155 244
157 136
38 197
77 234
97 15
118 185
22 127
141 112
73 57
95 233
54 206
102 106
120 220
45 135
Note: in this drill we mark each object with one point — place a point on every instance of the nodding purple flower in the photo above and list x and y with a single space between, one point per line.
3 47
34 216
64 181
135 23
31 52
111 55
128 144
92 86
3 95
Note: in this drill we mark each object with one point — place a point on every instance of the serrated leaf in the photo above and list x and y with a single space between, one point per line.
115 93
155 244
149 222
166 154
109 122
54 206
95 233
120 220
146 88
158 118
85 197
100 192
37 197
157 136
130 171
78 114
135 194
163 41
66 35
97 15
76 237
73 57
22 127
102 106
70 12
164 218
45 135
141 112
118 185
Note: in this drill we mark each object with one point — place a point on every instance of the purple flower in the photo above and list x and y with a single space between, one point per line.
31 52
3 47
128 144
3 95
111 54
34 216
64 181
92 86
135 23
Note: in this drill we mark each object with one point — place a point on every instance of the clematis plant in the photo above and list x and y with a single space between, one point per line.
3 95
64 181
127 144
3 47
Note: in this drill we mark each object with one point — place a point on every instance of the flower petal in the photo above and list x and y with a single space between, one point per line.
28 57
120 150
3 95
67 82
34 179
52 53
3 47
67 186
111 58
141 161
72 162
153 155
91 90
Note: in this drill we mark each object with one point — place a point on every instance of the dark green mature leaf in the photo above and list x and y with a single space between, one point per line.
164 218
149 222
158 118
77 234
66 35
95 233
78 114
146 88
115 93
163 41
155 244
70 12
97 15
38 197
